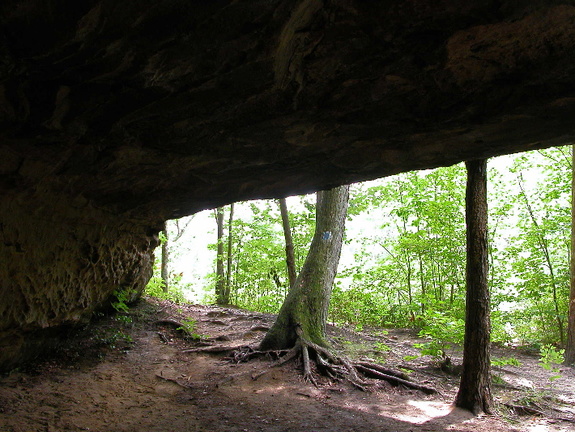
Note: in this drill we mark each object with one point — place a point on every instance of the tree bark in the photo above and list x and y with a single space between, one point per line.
166 242
228 288
304 311
290 255
220 280
165 264
475 386
570 346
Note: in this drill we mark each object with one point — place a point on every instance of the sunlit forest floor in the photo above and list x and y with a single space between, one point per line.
135 372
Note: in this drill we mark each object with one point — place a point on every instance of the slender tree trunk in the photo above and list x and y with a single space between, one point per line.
229 257
306 306
544 247
475 387
220 280
423 284
165 265
290 255
570 346
409 287
167 243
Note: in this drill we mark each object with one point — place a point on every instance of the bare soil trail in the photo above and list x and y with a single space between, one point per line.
131 373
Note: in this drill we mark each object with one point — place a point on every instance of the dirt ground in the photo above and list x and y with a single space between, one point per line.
130 372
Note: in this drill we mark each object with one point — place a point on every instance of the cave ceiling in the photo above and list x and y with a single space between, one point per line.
167 107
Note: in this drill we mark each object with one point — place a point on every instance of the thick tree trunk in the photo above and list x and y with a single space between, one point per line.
290 255
305 308
220 280
475 387
228 287
570 347
165 264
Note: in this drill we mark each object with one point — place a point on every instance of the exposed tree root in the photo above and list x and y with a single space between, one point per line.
316 361
170 321
329 364
175 381
320 361
383 370
215 349
176 324
534 409
373 372
524 410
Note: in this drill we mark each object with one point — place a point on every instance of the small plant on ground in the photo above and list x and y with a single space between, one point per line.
504 361
496 379
123 296
111 337
380 350
189 327
125 319
155 288
381 347
410 357
442 332
550 358
434 348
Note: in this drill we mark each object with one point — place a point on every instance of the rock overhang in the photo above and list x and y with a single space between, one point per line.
124 102
115 116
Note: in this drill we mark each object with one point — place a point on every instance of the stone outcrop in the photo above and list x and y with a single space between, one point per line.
61 259
117 115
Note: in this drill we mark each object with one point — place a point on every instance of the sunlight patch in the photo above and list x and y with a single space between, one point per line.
271 389
524 382
537 428
425 410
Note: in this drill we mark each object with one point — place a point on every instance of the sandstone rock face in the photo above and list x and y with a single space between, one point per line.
115 116
61 259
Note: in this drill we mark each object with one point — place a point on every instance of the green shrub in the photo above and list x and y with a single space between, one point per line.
122 298
443 331
155 288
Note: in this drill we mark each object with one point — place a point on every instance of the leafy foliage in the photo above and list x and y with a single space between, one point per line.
443 331
189 328
503 361
122 299
155 288
535 261
411 272
550 358
259 280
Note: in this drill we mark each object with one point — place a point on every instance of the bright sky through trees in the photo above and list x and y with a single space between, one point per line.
403 262
195 261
